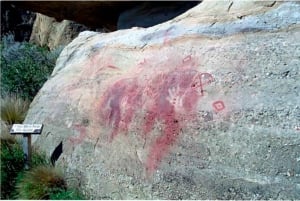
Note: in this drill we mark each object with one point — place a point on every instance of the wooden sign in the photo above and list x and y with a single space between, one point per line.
26 129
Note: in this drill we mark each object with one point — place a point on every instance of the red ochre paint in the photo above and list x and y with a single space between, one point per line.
119 105
166 37
218 105
82 134
187 58
164 98
113 67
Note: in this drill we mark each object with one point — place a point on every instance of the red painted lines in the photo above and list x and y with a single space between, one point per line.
166 38
119 105
218 105
113 67
187 58
164 99
142 62
82 134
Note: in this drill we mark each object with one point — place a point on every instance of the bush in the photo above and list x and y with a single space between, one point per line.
38 159
11 163
25 67
44 182
70 194
13 109
40 182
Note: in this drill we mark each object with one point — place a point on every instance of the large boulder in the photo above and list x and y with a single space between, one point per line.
205 106
48 32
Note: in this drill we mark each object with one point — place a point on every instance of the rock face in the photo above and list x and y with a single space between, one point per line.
48 32
205 106
99 15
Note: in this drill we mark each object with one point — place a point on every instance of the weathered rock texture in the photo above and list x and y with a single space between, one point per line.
98 15
48 32
205 106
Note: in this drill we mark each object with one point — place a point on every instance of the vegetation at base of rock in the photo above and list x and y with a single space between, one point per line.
70 194
11 163
40 182
44 182
24 67
13 109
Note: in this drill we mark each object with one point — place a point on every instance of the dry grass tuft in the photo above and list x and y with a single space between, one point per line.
13 109
40 183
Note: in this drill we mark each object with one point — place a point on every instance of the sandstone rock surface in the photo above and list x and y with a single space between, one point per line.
48 32
205 106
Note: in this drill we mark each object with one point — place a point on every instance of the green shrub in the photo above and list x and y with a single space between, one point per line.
11 163
40 182
25 67
38 159
13 109
70 194
44 182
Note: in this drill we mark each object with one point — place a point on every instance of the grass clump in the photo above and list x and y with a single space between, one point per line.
11 163
13 109
25 67
44 182
39 183
69 194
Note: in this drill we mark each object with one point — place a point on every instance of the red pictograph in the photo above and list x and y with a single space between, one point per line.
82 134
218 105
164 98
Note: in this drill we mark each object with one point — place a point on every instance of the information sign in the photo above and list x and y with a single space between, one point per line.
26 129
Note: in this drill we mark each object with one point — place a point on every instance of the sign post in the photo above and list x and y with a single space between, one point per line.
26 130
